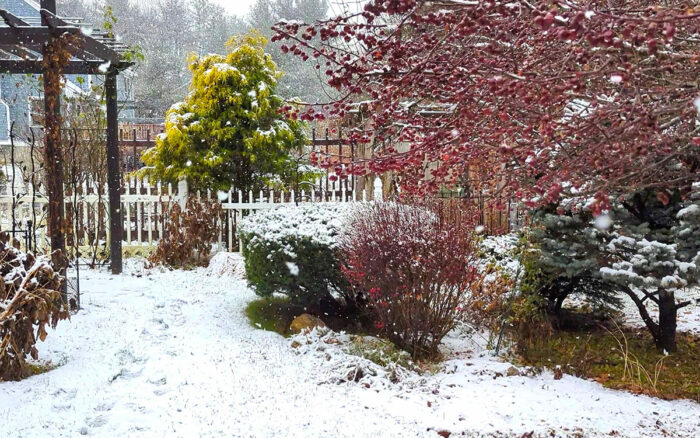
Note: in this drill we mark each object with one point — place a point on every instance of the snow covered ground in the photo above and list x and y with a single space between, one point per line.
688 317
171 354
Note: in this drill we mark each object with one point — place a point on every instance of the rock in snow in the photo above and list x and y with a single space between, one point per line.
305 322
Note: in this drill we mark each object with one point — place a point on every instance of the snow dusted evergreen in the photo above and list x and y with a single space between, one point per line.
644 248
570 247
230 129
294 251
648 264
654 253
320 223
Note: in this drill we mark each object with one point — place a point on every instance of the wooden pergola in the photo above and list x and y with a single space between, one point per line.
29 48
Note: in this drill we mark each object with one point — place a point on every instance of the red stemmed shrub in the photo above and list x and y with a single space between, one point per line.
415 268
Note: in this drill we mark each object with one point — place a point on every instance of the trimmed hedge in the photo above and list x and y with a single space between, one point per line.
294 251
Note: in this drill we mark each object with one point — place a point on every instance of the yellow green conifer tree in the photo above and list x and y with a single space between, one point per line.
229 131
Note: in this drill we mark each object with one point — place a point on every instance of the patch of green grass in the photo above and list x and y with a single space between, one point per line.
33 369
622 359
274 314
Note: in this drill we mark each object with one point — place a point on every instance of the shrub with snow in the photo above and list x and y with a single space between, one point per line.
294 251
30 299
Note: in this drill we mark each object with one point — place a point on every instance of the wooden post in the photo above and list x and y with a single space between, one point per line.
54 160
49 5
113 174
133 162
52 146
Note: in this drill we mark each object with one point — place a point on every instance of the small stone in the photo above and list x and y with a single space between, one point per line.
512 372
83 430
305 323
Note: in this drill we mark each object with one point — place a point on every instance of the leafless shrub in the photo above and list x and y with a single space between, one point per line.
415 267
189 234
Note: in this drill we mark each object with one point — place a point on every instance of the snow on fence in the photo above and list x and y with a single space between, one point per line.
145 209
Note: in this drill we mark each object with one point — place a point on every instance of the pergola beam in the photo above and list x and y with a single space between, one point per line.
97 49
34 66
32 36
22 52
86 43
12 20
51 19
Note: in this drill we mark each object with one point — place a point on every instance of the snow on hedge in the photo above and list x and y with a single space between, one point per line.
321 223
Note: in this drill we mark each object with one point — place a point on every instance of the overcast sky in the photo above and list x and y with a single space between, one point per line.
238 7
241 7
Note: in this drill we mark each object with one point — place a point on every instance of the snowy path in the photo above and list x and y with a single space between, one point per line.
172 355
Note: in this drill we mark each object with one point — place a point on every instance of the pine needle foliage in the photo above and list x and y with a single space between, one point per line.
231 129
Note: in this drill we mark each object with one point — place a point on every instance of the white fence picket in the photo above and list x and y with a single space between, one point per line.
145 209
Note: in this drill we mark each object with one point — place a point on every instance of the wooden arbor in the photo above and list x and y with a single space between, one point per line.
52 48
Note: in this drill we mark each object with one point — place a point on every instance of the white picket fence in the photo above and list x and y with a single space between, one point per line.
145 207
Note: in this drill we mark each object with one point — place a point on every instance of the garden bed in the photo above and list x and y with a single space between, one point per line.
622 359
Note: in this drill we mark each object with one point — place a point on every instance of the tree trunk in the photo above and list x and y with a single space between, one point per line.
666 337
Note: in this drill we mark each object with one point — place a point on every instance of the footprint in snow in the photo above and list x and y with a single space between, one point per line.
125 374
98 421
104 407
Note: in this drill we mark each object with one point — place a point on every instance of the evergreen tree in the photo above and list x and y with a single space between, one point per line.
570 249
653 253
230 129
647 248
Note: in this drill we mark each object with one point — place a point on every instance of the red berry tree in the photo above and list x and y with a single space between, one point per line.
555 99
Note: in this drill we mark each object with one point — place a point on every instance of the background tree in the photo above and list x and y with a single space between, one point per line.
301 79
230 129
167 31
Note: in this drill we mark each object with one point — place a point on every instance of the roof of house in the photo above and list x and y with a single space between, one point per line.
22 8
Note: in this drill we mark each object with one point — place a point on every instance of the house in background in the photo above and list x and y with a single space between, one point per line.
21 96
